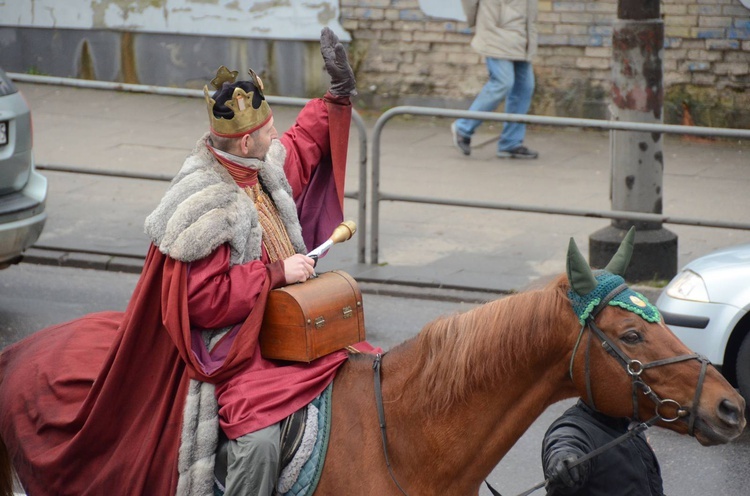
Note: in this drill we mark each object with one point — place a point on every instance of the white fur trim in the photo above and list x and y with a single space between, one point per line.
204 208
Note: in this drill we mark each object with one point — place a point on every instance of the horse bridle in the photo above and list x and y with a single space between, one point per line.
635 368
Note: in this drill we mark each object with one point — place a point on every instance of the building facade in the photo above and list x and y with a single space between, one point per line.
412 52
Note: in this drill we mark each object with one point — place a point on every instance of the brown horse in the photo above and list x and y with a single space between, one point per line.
459 395
463 391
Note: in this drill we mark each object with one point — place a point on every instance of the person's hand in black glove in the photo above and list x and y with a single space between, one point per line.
337 64
564 478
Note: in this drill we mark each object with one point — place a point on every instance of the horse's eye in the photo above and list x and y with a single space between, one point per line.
631 337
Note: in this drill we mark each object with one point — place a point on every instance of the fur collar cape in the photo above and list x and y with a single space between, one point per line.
204 208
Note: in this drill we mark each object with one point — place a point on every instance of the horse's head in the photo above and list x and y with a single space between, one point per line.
627 363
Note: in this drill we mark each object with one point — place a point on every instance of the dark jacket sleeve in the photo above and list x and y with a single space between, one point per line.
566 437
629 467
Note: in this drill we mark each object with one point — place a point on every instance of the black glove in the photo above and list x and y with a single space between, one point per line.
337 64
562 476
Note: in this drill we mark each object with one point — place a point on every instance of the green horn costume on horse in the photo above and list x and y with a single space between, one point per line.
589 288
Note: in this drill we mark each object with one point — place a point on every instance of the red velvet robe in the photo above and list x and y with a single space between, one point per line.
94 406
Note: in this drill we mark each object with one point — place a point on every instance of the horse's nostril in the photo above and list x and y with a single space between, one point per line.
729 412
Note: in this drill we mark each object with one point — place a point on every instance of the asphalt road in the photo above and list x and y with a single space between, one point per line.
34 296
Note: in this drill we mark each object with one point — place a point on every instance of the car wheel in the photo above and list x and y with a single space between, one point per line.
743 370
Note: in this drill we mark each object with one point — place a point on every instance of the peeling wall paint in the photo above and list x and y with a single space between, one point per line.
442 9
272 19
637 72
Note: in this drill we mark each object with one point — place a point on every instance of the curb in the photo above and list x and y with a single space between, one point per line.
83 260
403 289
134 265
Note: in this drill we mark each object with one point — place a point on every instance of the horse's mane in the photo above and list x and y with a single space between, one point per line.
460 353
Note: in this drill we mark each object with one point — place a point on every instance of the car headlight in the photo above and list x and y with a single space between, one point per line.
688 286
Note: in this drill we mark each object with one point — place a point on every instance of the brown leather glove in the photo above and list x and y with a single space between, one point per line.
337 64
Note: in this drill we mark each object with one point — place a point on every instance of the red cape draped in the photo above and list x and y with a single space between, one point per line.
94 406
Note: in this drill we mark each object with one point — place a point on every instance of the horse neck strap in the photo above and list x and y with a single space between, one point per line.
575 351
376 367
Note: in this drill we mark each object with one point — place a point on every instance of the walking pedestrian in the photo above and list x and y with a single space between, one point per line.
506 36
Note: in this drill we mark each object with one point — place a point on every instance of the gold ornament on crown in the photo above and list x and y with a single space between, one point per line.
246 118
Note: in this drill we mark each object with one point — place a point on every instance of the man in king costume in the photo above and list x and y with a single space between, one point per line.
126 403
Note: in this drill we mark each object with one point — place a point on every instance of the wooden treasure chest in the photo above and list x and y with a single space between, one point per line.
305 321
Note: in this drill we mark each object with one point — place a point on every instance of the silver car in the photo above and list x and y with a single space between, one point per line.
707 306
23 191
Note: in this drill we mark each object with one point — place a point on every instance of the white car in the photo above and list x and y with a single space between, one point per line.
707 305
23 191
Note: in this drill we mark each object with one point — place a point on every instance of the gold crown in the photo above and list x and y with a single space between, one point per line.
245 118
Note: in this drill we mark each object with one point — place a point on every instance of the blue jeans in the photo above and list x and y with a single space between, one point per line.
511 79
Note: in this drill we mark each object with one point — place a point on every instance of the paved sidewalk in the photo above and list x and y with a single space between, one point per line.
429 248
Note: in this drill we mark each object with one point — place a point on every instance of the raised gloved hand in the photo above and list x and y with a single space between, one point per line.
337 64
562 476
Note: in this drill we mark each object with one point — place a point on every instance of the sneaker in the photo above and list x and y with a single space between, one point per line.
461 142
518 152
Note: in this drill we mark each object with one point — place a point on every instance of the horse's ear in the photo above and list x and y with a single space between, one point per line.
581 278
621 259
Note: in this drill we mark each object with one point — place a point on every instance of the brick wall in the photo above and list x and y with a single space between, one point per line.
402 56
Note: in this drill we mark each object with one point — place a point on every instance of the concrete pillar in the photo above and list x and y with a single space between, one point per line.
636 157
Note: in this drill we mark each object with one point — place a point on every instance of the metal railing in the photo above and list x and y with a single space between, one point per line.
378 196
359 195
